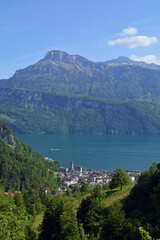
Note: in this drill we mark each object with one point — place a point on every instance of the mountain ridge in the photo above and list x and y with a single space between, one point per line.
127 61
72 74
68 94
58 57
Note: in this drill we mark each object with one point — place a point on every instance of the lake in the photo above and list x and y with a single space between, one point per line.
104 152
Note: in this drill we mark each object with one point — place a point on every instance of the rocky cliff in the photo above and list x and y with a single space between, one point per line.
7 134
59 72
52 100
30 111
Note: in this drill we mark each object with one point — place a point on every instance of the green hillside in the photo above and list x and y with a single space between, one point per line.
27 111
21 167
131 213
25 175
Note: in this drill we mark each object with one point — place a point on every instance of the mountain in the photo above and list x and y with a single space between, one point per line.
120 61
32 111
20 166
69 94
121 79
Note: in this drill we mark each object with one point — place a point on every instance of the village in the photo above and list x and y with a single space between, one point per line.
74 175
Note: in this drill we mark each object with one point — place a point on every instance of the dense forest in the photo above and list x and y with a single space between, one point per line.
25 177
21 167
27 111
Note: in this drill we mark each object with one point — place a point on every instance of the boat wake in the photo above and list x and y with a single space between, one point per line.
55 149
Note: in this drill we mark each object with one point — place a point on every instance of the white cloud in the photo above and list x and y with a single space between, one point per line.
134 42
128 31
148 59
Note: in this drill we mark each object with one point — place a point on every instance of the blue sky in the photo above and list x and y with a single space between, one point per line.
99 30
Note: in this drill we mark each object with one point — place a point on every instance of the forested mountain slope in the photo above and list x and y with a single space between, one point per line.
68 94
28 111
20 166
121 79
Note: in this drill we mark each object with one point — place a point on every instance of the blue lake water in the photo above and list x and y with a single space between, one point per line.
106 152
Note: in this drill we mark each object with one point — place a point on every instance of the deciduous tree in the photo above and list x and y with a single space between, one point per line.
120 179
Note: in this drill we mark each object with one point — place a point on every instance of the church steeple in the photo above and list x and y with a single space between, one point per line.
71 167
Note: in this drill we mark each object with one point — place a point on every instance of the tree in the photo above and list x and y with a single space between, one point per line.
14 221
51 225
90 213
84 187
68 192
144 234
120 179
69 221
18 199
114 223
97 192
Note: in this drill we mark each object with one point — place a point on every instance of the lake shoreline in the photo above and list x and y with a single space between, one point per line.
107 152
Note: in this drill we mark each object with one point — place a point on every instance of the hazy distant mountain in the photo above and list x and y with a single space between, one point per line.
121 78
121 61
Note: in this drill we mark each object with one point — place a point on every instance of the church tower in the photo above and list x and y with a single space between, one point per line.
71 169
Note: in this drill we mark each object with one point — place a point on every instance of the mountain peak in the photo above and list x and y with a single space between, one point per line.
56 55
120 61
60 56
124 59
